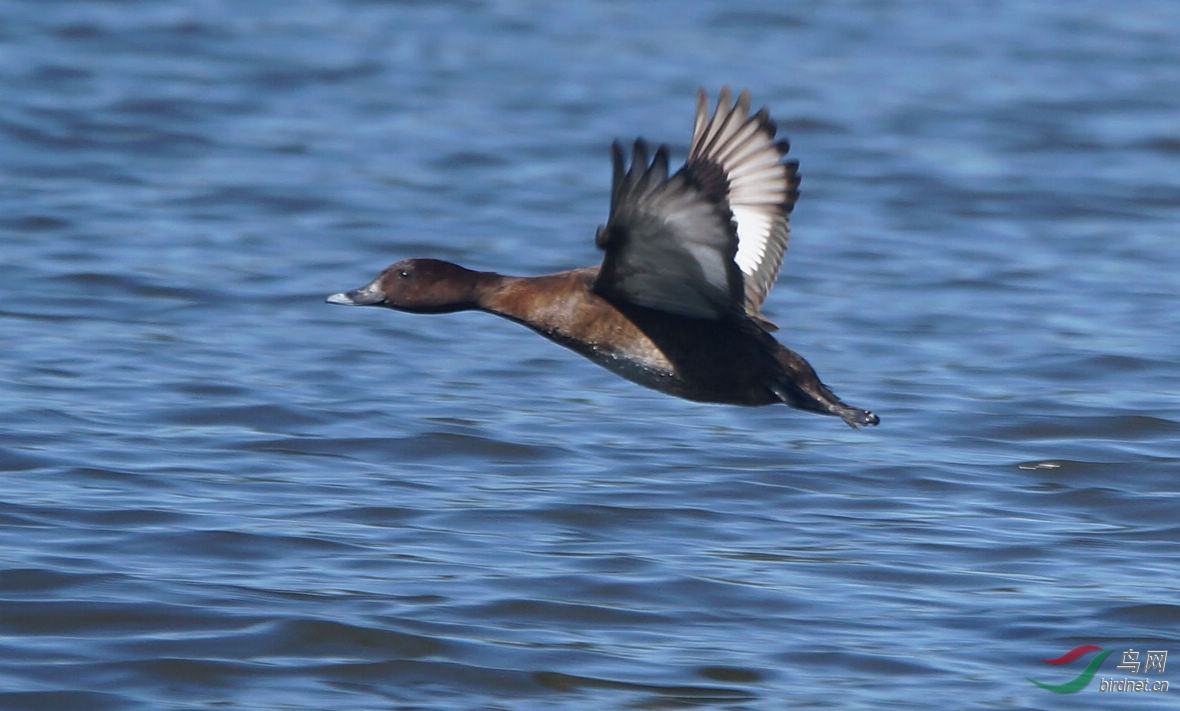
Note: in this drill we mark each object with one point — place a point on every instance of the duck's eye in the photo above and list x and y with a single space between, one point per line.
403 274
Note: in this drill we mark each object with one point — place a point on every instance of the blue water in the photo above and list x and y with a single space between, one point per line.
218 492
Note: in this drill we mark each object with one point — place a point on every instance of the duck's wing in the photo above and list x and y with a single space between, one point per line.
735 154
709 240
670 242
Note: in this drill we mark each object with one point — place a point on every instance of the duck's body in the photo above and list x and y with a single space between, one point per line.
675 304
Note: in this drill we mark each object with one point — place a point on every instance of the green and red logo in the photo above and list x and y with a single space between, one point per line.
1151 660
1081 680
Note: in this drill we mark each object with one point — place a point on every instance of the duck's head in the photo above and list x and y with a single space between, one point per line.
424 286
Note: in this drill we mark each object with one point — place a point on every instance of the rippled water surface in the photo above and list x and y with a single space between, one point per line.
219 492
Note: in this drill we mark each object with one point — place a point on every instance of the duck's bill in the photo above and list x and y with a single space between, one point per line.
368 295
342 298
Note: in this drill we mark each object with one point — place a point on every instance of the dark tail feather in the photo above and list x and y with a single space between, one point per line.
802 389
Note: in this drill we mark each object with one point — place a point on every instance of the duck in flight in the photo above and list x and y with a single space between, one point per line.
688 260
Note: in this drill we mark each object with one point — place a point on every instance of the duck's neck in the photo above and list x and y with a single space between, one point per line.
466 290
544 303
506 296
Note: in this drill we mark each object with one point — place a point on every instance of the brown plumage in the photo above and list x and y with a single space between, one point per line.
688 260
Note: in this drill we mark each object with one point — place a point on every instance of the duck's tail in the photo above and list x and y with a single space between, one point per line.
801 388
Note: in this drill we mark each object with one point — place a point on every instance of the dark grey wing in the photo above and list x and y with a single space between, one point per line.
736 156
670 244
